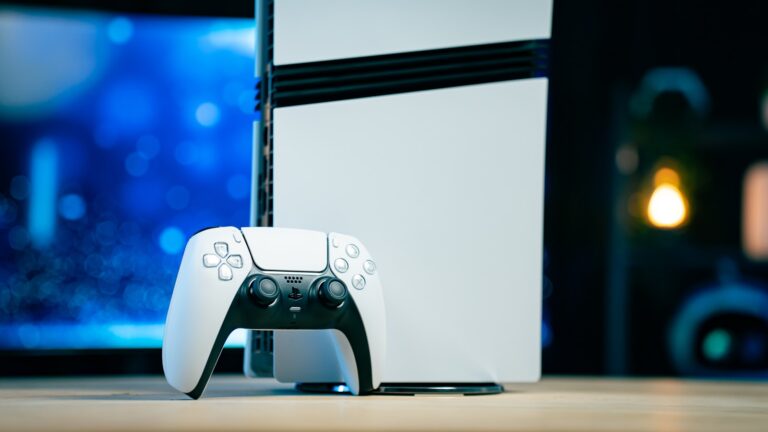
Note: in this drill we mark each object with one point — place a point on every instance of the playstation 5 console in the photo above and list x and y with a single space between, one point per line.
419 126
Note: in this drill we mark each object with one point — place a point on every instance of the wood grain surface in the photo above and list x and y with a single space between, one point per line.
236 403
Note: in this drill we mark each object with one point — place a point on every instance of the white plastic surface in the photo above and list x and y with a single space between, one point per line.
287 249
447 187
369 300
312 30
199 303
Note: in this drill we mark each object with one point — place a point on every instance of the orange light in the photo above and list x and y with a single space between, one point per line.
666 176
667 207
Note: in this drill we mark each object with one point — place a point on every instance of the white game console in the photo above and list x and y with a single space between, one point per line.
419 126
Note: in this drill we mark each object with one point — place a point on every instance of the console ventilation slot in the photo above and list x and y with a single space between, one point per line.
298 84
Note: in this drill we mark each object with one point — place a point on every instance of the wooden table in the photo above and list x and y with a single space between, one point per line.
236 403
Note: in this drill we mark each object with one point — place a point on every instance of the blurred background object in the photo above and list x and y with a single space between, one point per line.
114 118
123 134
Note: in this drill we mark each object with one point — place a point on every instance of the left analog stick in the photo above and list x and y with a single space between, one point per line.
263 291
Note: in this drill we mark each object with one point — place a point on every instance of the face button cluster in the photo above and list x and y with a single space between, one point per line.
342 265
223 260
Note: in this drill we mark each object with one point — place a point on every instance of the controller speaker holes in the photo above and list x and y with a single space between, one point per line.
294 279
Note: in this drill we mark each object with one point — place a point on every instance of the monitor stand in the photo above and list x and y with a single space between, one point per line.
410 389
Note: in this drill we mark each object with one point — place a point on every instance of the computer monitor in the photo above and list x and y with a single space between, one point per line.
122 135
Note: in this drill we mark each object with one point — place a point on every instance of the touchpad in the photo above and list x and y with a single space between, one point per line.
287 249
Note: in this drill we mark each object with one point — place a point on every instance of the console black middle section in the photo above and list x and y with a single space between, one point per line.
323 81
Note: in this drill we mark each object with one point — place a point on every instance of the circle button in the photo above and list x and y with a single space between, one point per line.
352 251
358 281
369 267
341 265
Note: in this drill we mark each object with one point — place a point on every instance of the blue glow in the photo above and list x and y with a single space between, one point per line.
120 30
177 197
148 146
186 153
135 168
238 186
172 240
136 165
546 334
72 207
42 203
128 107
207 114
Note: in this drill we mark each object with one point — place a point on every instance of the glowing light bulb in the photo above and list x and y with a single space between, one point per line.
667 207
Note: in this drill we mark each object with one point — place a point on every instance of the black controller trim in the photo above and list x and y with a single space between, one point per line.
245 313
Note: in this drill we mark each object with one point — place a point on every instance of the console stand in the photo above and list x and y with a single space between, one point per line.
410 389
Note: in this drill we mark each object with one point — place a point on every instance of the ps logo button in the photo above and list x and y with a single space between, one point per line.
210 260
352 251
369 267
235 261
341 265
221 249
225 273
358 281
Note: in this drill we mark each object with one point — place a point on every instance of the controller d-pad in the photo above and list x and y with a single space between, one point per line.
225 272
223 260
221 248
211 260
235 261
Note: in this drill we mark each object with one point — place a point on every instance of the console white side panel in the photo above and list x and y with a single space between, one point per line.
287 249
312 30
446 186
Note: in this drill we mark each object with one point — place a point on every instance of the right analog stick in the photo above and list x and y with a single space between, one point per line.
332 293
263 291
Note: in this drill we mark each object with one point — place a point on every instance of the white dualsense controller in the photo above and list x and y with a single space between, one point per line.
270 279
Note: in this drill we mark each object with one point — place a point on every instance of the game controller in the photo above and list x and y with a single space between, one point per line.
269 279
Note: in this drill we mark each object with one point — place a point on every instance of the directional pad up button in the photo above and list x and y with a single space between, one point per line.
225 273
221 248
235 261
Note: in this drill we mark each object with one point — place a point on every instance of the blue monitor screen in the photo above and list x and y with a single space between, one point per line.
121 136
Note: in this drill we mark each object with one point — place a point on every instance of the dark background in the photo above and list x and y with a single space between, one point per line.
614 285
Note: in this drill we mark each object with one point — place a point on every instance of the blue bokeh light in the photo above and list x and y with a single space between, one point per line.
120 30
207 114
172 240
72 207
135 169
43 189
136 165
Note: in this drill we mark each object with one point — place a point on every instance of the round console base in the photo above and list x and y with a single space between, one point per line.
410 389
